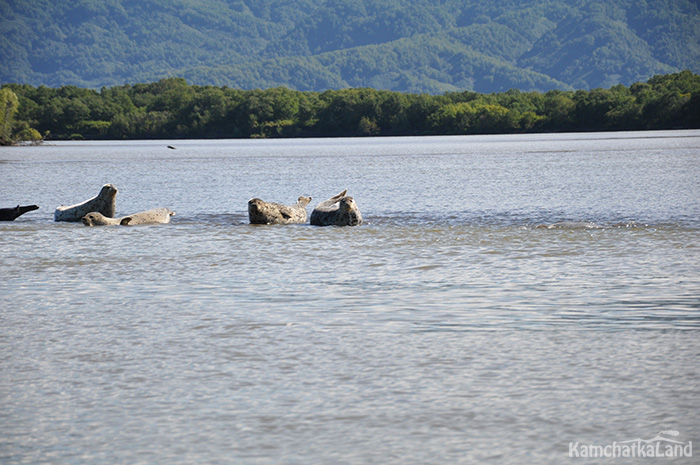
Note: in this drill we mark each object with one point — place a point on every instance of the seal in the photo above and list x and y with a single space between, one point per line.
11 214
339 210
155 216
261 212
103 203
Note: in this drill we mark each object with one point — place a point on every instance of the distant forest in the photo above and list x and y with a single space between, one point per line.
171 109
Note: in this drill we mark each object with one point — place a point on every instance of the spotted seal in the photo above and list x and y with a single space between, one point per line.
10 214
103 203
339 210
155 216
261 212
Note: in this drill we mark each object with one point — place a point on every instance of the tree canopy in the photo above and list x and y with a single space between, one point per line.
171 108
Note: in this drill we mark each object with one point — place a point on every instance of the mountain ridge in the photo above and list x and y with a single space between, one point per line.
410 46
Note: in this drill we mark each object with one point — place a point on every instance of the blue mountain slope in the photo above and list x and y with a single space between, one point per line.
404 45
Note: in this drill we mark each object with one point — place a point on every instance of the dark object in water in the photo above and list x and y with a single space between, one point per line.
9 214
171 147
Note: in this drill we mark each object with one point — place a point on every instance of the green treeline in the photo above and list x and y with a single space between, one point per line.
170 108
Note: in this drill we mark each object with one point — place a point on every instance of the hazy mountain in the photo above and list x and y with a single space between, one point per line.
405 45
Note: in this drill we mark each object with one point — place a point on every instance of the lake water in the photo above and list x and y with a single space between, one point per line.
507 298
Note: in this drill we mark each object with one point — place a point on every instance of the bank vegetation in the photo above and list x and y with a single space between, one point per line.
172 109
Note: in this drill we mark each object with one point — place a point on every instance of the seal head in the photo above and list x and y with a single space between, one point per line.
98 219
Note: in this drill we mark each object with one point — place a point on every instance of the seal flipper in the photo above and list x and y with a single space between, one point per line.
336 198
286 213
125 221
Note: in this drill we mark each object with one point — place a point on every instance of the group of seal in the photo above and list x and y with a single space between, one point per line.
339 210
99 211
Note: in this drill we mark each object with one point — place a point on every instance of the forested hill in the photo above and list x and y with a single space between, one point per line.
403 45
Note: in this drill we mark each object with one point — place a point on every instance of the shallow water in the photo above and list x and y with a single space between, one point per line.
507 295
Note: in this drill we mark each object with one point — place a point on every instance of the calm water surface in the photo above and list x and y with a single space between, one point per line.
507 296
